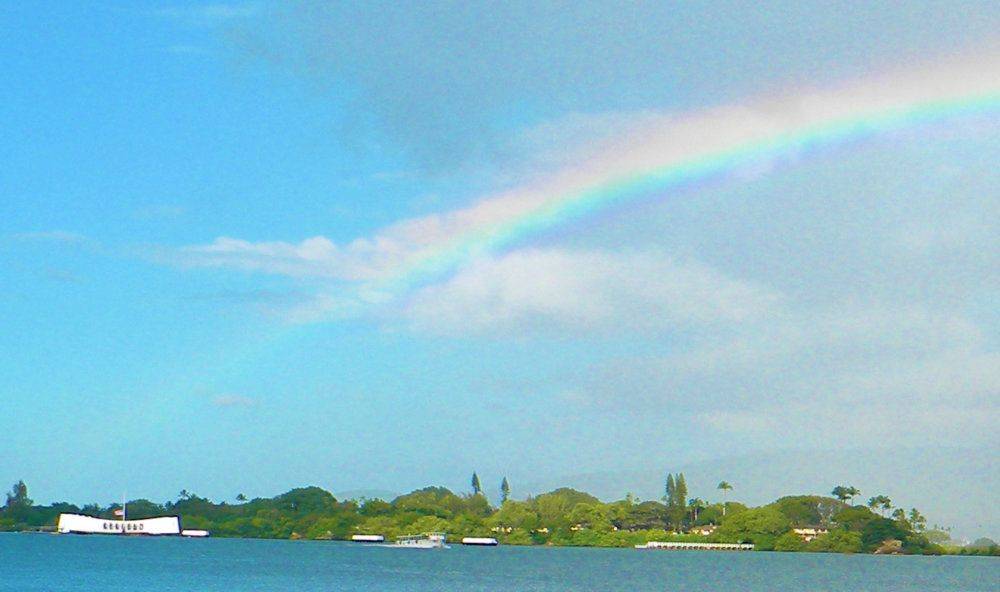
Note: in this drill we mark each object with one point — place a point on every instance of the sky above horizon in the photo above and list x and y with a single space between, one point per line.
216 218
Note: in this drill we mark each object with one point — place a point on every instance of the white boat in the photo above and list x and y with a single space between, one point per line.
428 540
195 533
481 541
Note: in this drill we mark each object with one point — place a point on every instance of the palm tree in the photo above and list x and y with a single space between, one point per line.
695 504
241 498
724 486
845 492
881 503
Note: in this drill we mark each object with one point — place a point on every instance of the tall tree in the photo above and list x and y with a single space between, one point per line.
18 496
676 499
917 520
853 492
241 497
696 504
504 490
841 492
724 486
476 487
880 503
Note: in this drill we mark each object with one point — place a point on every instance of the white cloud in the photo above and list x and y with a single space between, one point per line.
892 422
808 377
313 257
848 333
644 141
528 290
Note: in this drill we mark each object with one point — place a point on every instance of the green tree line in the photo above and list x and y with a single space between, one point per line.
561 517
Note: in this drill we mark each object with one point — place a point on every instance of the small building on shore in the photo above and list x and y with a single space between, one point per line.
809 533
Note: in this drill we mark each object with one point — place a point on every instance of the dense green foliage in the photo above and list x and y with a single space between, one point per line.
560 517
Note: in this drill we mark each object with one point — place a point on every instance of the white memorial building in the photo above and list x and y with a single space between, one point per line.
79 524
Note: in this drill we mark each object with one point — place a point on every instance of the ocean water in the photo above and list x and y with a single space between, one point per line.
30 562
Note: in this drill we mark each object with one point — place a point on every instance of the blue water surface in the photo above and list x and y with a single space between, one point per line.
30 562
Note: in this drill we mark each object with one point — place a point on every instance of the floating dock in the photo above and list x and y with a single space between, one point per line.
672 546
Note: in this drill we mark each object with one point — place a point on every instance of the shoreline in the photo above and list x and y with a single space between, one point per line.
355 544
352 544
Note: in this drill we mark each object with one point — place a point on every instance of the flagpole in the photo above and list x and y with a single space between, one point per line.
123 513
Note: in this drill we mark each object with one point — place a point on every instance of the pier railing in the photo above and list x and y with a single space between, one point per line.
674 546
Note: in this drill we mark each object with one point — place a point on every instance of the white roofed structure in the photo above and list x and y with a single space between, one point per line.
79 524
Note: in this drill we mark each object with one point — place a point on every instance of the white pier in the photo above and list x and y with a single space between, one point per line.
672 546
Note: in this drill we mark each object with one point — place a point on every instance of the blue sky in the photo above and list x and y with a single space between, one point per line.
194 195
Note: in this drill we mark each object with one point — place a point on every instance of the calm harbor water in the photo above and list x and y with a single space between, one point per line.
30 562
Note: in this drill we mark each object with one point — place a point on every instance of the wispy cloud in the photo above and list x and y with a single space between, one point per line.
53 236
212 13
159 212
62 276
316 257
186 50
233 401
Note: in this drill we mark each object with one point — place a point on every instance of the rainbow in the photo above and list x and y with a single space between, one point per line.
566 207
786 146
